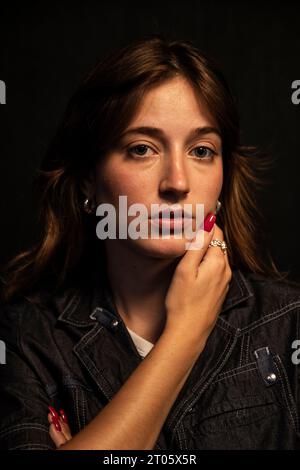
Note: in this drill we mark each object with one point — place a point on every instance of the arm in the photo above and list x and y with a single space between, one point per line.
134 417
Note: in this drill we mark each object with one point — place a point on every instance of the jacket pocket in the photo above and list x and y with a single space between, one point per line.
226 415
240 410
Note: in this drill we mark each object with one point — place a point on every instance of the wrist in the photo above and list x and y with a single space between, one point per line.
185 338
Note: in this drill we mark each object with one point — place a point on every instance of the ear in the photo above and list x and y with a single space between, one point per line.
87 185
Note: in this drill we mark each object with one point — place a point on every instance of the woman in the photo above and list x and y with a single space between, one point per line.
142 343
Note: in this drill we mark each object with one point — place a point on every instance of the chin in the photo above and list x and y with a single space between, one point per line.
164 248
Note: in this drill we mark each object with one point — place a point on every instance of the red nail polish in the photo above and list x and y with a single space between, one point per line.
209 222
53 412
56 424
64 416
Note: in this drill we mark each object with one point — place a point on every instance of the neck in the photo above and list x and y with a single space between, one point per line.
139 285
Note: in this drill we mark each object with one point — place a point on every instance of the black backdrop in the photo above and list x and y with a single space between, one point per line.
46 49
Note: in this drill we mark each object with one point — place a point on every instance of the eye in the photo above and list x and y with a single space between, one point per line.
139 150
204 152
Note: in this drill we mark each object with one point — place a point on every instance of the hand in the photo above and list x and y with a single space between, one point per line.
198 289
59 429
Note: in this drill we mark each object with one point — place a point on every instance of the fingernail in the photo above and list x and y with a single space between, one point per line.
53 412
64 416
56 424
209 222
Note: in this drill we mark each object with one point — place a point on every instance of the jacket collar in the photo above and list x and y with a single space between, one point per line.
77 306
240 289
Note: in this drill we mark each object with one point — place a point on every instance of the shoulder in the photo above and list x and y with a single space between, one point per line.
259 300
34 315
274 294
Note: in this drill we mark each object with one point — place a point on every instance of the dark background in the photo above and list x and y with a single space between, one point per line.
46 49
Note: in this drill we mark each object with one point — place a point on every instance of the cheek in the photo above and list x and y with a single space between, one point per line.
208 186
215 183
114 181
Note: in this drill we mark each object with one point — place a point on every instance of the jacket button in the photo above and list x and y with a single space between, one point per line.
271 378
114 323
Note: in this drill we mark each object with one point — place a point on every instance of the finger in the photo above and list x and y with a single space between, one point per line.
65 424
62 429
55 431
197 248
57 437
65 429
217 255
216 250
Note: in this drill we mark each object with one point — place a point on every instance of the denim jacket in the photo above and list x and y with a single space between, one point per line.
75 352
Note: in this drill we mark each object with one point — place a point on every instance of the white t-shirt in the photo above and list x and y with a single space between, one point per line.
142 345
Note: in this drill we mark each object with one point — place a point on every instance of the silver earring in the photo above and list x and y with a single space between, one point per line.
218 206
87 206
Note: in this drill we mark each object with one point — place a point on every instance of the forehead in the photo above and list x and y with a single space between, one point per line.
173 102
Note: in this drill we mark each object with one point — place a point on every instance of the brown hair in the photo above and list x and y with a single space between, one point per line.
96 115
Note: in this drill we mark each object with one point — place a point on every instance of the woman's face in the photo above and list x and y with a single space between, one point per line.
174 165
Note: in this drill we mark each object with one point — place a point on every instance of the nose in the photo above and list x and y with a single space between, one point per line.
175 178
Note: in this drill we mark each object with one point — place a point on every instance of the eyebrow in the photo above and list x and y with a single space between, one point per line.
159 133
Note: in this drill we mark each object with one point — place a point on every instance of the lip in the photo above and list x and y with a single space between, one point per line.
171 223
165 215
